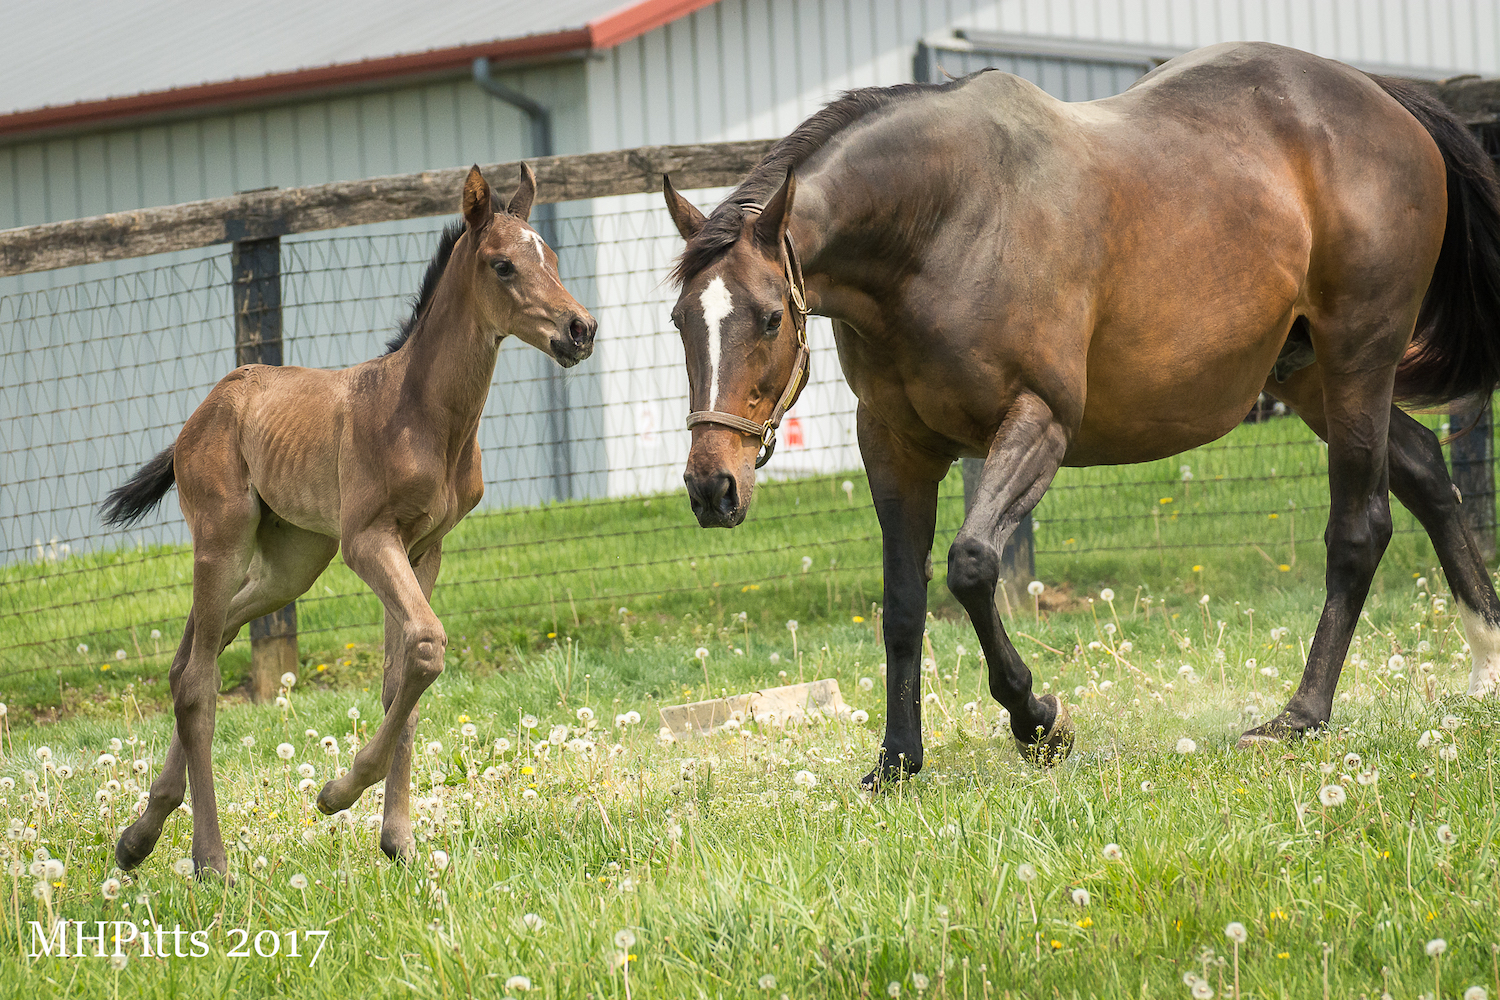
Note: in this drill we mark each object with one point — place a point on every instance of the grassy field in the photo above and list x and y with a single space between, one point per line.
79 633
748 864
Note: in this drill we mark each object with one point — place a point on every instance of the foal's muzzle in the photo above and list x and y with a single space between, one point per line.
715 499
574 340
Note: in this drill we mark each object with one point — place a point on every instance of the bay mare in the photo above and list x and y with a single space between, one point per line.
280 466
1044 284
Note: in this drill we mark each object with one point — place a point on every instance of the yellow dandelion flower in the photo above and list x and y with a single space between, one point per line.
348 645
1284 568
1272 517
322 666
1283 954
1165 500
1085 922
1197 569
858 619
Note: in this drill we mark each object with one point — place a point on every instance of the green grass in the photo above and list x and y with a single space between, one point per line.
726 871
1251 519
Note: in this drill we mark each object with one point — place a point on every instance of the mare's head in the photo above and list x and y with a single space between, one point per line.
514 278
740 330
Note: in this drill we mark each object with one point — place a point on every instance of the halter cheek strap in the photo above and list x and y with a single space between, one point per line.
797 299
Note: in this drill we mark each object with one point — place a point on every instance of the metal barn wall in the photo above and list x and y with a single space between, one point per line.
162 327
739 69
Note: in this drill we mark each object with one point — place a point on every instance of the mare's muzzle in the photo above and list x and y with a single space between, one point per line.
715 499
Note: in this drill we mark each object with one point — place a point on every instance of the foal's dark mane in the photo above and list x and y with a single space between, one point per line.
446 242
726 222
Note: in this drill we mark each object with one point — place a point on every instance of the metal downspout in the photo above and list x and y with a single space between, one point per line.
544 220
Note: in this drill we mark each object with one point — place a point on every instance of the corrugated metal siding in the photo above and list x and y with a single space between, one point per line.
739 69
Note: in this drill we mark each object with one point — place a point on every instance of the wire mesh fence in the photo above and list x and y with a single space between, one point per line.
583 525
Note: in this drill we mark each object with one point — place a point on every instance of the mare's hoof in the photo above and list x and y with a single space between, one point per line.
891 768
1282 729
1056 743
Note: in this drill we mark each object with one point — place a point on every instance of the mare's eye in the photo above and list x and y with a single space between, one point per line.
504 268
773 322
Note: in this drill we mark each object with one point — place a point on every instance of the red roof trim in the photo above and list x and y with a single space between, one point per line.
605 32
636 19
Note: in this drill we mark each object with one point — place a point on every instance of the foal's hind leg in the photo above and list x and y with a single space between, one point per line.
1025 455
1356 412
395 829
382 562
286 562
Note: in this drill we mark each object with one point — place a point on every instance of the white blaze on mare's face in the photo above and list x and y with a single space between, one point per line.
717 305
1484 649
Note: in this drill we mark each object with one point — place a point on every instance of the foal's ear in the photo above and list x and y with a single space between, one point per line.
771 226
687 218
520 202
477 207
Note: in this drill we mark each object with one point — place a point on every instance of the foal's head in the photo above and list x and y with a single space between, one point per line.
737 318
514 276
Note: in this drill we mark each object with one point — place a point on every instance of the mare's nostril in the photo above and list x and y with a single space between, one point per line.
580 330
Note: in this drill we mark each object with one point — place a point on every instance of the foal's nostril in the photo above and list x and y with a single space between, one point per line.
582 330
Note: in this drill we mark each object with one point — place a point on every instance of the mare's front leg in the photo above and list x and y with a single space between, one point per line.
904 486
379 558
395 829
1025 455
1357 411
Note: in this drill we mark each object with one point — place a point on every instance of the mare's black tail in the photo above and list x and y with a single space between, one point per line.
1456 349
127 504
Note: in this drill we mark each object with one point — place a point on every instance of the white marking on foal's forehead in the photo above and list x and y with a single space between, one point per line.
717 304
538 242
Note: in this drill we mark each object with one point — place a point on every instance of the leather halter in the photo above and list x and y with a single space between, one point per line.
797 300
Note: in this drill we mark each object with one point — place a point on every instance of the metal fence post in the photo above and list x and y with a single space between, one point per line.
255 268
1018 558
1473 459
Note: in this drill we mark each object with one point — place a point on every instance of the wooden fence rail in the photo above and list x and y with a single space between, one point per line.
259 215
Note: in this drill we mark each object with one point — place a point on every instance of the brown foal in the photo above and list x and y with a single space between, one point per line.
280 466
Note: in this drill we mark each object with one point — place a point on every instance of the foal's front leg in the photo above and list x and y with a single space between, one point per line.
1025 455
381 561
904 486
395 829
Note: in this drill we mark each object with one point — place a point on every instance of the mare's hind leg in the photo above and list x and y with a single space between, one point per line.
382 562
395 829
286 562
904 486
1025 455
1355 414
1420 480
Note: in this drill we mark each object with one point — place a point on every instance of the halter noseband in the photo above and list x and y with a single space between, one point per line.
797 298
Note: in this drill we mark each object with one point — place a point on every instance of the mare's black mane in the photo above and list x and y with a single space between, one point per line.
450 236
726 222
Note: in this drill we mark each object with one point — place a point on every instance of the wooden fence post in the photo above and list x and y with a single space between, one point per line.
255 269
1018 558
1473 459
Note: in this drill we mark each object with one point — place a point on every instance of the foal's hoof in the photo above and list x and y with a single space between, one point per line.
891 768
134 846
1282 729
334 797
398 845
1056 743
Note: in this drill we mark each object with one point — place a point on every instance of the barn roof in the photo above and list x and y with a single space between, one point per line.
79 63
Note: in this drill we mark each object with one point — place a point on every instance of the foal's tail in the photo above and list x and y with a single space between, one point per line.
1456 350
127 504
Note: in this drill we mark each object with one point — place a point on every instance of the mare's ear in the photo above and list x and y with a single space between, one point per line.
771 226
520 202
687 218
477 207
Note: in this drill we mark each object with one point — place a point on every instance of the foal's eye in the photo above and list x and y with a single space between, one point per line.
773 322
504 268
